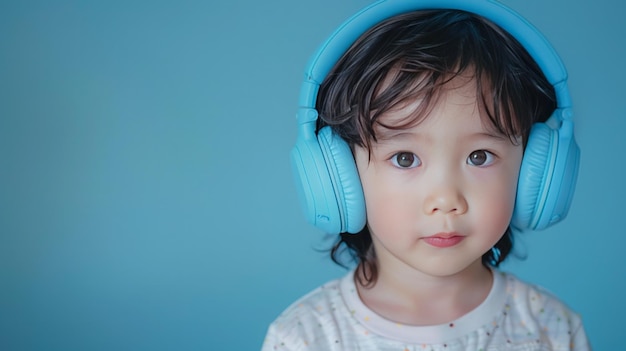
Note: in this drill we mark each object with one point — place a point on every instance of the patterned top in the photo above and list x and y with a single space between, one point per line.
514 316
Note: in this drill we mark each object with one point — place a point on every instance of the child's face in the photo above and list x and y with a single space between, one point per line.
439 194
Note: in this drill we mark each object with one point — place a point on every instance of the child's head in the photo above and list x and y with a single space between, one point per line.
416 57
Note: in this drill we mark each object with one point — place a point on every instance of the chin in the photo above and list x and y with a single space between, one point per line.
450 269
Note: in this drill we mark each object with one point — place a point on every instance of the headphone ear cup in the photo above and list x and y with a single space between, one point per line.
313 184
345 180
548 176
532 183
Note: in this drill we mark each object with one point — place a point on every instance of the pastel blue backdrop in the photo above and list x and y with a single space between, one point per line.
146 200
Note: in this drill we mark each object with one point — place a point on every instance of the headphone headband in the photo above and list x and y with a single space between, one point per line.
338 43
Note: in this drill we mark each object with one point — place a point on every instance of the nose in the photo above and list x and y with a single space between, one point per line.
445 197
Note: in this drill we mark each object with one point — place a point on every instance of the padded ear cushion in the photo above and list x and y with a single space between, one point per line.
313 184
345 179
561 177
535 176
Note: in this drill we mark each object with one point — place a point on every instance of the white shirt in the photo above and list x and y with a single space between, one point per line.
514 316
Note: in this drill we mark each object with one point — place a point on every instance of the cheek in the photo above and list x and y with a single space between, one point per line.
496 204
391 206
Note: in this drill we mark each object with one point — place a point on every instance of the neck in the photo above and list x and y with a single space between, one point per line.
411 297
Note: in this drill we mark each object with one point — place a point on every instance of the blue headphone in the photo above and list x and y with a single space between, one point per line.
327 180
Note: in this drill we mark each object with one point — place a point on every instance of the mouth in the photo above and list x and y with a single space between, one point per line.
443 240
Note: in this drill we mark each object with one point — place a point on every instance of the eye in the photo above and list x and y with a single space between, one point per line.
481 158
405 160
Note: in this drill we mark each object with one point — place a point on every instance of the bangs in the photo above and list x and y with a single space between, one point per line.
402 88
412 57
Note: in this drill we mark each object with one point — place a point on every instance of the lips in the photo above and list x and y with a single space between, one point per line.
443 239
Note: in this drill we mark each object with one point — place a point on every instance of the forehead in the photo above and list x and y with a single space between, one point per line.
458 95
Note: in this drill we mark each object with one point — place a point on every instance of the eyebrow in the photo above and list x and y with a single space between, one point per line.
496 136
390 135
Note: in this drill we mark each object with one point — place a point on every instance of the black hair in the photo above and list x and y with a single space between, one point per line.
415 55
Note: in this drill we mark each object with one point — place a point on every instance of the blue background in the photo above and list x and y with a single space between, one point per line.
146 200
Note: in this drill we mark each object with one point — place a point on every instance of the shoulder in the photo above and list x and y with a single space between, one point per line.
541 313
537 301
314 305
314 319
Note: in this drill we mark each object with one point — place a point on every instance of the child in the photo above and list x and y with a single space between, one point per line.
439 133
